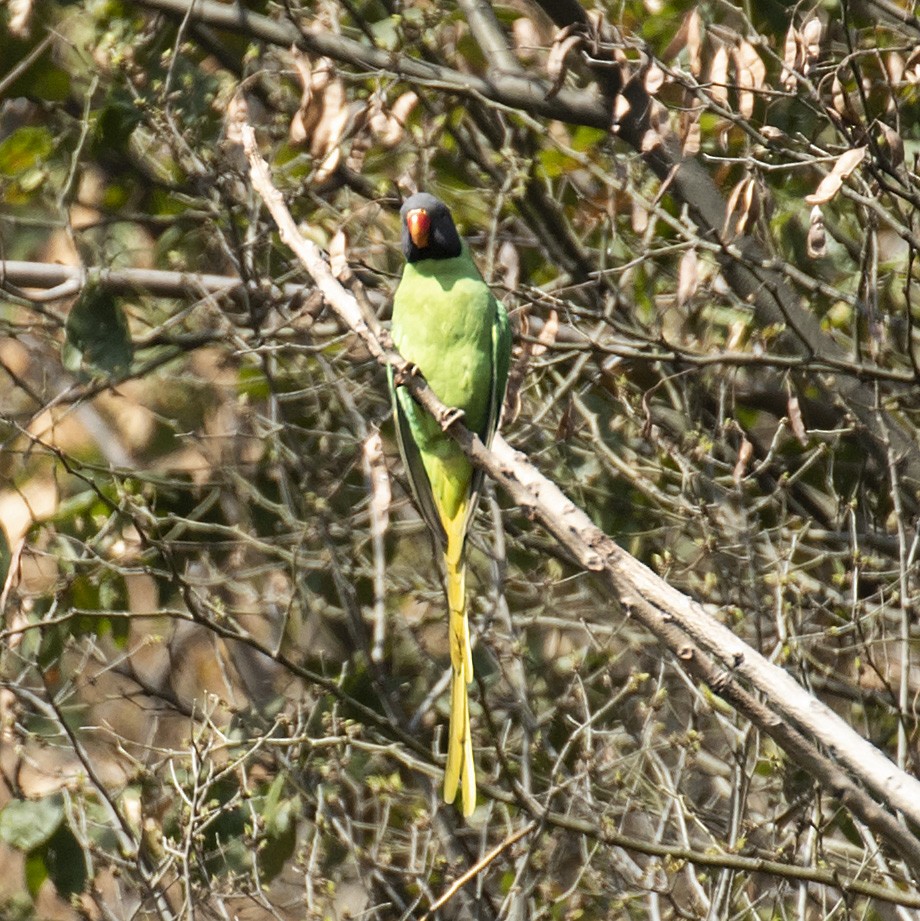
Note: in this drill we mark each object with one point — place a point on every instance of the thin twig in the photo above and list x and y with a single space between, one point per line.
477 868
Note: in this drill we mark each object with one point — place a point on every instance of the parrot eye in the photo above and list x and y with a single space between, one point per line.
419 225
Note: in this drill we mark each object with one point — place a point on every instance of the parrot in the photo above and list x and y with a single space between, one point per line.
448 325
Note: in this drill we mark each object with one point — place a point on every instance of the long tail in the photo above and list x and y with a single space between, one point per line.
460 770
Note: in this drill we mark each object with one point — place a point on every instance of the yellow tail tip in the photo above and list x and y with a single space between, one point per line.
466 784
460 770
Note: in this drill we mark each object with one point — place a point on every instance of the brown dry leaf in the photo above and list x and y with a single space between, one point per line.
355 159
812 33
547 335
564 44
840 100
650 140
19 23
689 129
793 57
34 500
639 218
678 42
654 79
831 183
314 81
688 36
912 67
752 75
794 412
510 262
816 241
389 127
235 117
893 145
752 206
659 118
568 423
718 76
743 208
324 114
521 359
695 42
338 256
745 453
688 277
731 209
895 67
526 38
325 145
738 334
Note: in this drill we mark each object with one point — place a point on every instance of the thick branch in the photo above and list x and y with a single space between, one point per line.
707 649
511 89
126 281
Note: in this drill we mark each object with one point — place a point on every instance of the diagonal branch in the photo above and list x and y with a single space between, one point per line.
706 649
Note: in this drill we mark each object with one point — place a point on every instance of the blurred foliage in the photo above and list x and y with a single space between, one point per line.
96 334
192 718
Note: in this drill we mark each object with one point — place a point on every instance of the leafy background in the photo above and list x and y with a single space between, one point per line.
221 694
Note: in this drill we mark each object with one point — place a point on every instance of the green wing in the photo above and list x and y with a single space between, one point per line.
501 362
418 476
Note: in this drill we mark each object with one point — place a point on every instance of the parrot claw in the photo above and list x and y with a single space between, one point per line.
401 375
450 417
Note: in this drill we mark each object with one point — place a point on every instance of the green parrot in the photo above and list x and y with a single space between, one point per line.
447 322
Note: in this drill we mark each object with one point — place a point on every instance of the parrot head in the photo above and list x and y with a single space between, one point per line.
428 230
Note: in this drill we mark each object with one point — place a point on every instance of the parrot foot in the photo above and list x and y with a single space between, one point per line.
450 417
401 375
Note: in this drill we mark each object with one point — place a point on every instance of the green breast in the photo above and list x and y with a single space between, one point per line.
443 314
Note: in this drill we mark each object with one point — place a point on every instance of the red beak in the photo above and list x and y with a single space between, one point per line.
419 225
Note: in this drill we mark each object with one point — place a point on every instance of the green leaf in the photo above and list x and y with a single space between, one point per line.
555 163
116 123
60 859
6 557
585 138
36 872
27 824
24 149
97 337
51 647
64 862
280 818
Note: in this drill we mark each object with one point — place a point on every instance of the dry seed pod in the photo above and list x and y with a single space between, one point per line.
816 241
718 76
751 74
812 33
793 58
831 183
688 277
